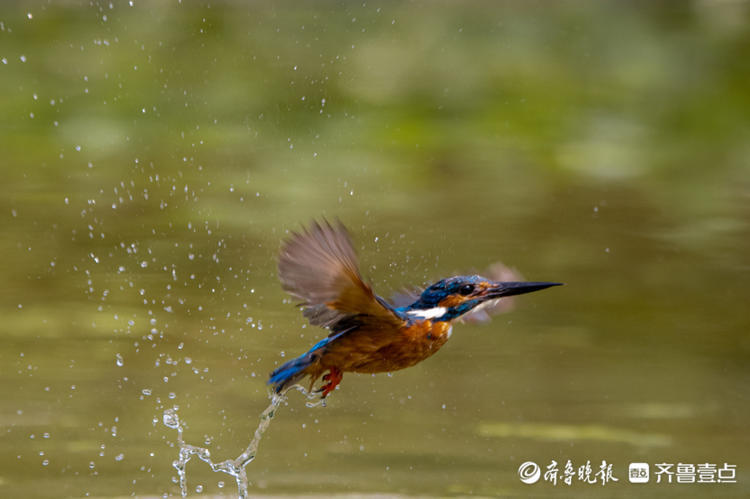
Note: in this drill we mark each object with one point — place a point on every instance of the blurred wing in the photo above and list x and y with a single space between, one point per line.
405 297
320 268
483 313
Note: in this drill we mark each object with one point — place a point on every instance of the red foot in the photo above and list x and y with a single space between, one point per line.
333 377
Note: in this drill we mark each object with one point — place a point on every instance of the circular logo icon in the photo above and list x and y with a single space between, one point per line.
529 472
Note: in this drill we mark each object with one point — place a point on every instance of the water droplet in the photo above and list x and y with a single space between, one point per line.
170 419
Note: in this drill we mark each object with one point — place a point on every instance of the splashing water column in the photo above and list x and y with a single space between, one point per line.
234 467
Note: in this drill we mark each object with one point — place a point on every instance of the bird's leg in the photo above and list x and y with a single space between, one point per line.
333 377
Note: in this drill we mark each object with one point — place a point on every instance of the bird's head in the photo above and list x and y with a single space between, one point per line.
450 298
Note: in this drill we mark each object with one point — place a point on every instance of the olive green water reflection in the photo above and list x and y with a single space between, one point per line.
154 155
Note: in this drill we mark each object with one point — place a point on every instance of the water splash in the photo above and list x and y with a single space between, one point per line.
234 467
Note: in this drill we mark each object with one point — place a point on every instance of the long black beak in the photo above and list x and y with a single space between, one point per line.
501 289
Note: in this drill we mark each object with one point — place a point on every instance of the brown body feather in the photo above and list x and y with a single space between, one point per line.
371 349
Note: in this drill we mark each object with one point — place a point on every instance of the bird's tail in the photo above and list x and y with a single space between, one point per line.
291 372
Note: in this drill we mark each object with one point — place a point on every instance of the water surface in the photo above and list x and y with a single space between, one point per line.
154 157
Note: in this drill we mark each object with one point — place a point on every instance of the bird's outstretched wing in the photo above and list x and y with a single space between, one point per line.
405 297
319 267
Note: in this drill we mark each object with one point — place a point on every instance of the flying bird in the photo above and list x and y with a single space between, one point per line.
368 334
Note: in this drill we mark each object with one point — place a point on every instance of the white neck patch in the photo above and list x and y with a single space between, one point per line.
430 313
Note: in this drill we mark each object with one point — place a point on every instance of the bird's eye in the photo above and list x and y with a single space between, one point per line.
466 289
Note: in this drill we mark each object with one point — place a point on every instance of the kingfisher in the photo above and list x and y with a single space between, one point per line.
368 334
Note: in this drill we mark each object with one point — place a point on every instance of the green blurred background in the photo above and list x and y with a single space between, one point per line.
154 155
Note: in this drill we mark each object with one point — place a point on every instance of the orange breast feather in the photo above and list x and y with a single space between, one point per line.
371 349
